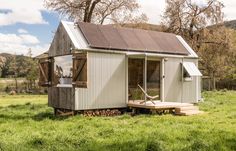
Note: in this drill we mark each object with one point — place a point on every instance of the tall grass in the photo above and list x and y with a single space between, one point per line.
28 124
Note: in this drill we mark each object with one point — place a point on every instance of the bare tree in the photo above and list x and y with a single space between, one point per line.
96 11
216 53
123 19
184 17
193 21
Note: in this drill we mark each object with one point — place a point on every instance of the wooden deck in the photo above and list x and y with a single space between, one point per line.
179 108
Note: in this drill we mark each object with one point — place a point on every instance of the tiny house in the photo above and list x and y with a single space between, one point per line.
100 67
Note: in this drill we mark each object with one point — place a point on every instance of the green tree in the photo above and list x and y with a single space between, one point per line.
2 64
32 70
13 69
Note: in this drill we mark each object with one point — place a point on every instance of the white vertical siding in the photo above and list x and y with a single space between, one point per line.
173 84
199 88
190 89
106 82
175 90
191 92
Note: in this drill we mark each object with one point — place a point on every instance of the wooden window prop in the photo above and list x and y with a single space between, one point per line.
79 78
45 68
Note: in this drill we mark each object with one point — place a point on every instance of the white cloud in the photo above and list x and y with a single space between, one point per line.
18 39
22 31
30 39
20 44
200 3
22 48
229 9
25 11
153 9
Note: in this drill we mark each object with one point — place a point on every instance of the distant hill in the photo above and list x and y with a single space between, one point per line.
144 26
8 55
230 24
5 55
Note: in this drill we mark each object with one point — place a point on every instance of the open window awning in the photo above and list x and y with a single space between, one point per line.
192 69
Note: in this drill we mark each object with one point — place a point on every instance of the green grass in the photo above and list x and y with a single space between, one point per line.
29 124
11 100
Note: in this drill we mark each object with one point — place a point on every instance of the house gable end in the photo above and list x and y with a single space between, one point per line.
62 43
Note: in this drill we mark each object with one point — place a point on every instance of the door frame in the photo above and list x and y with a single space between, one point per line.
146 58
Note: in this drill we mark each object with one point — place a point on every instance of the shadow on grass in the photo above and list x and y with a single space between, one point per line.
48 115
37 112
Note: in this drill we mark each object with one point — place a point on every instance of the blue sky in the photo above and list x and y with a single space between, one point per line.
44 32
28 24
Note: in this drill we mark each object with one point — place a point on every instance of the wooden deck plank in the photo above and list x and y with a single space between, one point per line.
179 108
187 113
158 105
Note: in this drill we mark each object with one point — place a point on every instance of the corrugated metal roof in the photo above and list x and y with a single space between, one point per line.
108 37
191 68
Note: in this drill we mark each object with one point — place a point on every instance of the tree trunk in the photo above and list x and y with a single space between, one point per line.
90 13
86 11
209 84
214 83
16 84
34 84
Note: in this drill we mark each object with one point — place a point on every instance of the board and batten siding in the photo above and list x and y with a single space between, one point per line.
63 98
106 82
61 44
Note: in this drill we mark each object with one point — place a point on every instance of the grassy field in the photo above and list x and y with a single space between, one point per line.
28 124
10 82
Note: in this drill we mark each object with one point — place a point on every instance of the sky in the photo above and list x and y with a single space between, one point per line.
27 24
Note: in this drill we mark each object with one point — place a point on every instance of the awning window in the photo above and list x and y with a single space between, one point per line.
191 69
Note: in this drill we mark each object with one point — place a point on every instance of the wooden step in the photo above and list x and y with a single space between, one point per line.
189 112
186 108
179 105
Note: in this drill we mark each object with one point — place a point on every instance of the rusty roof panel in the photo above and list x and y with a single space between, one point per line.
108 37
168 42
115 41
131 39
146 40
93 35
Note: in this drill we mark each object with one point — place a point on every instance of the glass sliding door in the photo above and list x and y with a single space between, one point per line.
153 78
136 76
